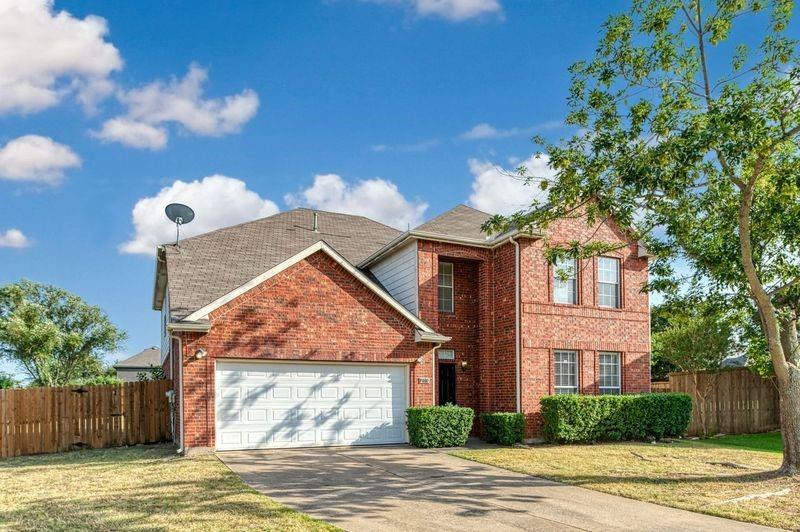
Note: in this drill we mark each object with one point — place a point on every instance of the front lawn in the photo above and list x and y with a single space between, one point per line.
143 487
768 441
718 477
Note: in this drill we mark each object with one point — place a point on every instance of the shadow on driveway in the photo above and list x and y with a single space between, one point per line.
404 488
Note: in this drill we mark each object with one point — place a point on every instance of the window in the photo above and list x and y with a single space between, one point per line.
566 372
445 287
610 374
608 285
446 354
565 281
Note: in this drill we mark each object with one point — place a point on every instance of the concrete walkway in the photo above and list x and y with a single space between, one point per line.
403 488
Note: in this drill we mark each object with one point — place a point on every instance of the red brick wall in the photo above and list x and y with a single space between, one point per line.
546 325
585 327
315 310
462 326
502 388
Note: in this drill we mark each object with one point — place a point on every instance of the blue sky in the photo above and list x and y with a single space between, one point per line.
347 105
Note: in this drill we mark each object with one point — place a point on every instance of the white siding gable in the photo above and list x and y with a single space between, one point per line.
397 272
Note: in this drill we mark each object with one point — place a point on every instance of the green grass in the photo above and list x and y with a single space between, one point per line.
768 442
135 488
731 477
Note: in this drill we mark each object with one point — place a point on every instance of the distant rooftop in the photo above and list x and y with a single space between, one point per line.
144 359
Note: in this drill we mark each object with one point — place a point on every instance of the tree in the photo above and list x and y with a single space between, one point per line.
660 367
54 336
155 373
7 381
697 340
691 140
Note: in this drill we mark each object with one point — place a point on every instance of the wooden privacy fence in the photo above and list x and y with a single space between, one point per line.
659 386
50 420
739 402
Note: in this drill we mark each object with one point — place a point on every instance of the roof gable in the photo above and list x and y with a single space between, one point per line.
206 267
321 246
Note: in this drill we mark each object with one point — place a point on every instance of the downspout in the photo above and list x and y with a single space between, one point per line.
517 326
180 389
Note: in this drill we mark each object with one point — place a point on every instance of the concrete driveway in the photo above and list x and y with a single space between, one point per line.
403 488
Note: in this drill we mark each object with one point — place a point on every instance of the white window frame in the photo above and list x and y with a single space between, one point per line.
451 286
559 266
617 284
560 388
609 390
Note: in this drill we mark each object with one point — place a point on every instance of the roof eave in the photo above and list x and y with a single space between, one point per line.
430 337
193 326
437 237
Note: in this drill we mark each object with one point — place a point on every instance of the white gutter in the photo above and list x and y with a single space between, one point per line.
423 336
517 325
189 326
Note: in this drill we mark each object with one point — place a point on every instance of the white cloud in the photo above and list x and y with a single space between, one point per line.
178 101
218 201
416 147
46 55
37 159
457 10
498 190
485 131
132 133
377 199
453 10
14 238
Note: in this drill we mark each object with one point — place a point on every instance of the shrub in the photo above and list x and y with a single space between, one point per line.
439 426
581 418
505 428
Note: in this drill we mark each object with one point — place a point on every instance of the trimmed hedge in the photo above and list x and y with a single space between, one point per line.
505 428
439 426
586 418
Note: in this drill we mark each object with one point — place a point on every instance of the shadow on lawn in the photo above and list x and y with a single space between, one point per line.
194 503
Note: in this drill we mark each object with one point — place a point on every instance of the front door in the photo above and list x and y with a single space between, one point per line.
447 383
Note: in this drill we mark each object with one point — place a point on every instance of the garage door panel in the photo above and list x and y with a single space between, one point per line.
272 404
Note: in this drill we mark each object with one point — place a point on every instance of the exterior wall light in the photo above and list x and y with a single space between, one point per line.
464 364
200 354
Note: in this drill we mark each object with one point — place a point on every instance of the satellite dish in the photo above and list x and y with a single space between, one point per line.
179 214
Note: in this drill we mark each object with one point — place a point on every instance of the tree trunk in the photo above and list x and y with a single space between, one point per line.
790 426
781 338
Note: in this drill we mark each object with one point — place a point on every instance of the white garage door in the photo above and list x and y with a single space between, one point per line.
277 404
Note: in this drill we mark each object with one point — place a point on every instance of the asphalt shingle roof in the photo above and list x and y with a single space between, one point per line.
144 359
208 266
462 221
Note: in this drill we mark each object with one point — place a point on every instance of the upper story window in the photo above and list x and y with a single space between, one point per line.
610 377
565 281
566 372
445 287
608 282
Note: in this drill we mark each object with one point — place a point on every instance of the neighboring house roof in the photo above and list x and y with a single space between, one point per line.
735 361
207 267
462 222
144 359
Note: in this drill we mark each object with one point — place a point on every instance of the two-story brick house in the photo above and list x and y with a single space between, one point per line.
315 328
